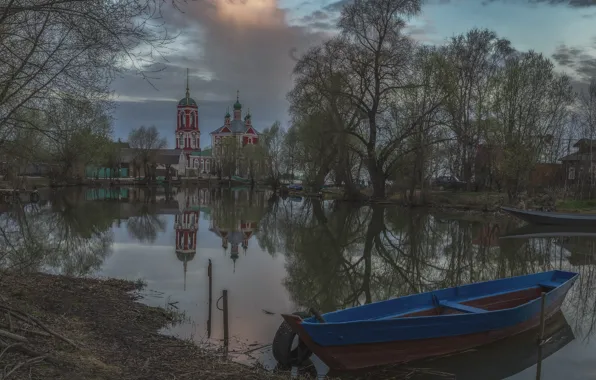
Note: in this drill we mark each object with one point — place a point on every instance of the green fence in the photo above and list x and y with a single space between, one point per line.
104 194
92 172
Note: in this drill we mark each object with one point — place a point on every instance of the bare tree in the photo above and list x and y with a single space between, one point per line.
78 134
473 60
272 140
146 142
53 47
586 114
377 60
531 102
230 156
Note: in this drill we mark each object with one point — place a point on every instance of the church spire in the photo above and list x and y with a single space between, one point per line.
187 89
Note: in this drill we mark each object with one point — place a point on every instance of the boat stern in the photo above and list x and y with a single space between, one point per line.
295 323
562 277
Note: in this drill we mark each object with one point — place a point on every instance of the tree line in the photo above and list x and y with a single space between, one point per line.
373 104
58 60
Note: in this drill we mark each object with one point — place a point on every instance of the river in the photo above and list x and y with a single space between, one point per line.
276 256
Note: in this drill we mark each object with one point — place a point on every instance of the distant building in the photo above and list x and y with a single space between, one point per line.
579 165
187 158
188 137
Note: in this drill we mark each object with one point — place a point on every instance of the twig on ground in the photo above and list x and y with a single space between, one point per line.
25 363
254 349
27 331
12 336
29 352
10 325
40 324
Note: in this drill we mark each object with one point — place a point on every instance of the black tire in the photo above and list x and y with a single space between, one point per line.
282 345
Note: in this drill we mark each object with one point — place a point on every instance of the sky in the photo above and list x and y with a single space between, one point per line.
250 46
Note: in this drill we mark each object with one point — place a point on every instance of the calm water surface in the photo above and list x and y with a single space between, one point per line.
283 255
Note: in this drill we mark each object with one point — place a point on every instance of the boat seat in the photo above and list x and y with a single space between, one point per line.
549 284
460 307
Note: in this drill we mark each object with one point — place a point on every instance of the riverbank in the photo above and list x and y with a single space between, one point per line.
94 330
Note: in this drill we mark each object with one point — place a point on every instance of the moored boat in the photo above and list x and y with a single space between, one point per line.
552 218
431 324
544 231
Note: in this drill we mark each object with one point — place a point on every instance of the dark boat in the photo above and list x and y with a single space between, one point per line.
552 218
496 361
431 324
543 231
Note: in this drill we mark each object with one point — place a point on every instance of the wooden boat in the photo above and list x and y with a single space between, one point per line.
496 361
431 324
552 218
542 231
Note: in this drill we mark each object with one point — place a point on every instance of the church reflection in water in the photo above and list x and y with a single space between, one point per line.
231 216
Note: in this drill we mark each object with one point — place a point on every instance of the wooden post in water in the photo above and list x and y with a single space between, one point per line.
225 321
541 336
210 275
542 316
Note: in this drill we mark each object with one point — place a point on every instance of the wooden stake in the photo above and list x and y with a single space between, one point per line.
210 275
542 316
317 315
225 321
541 336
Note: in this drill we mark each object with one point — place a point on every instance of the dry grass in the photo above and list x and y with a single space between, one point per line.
115 336
579 206
485 201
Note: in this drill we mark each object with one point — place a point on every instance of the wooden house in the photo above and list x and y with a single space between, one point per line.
579 165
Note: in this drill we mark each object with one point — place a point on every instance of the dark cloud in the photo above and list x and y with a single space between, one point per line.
336 6
567 55
571 3
315 16
228 45
580 64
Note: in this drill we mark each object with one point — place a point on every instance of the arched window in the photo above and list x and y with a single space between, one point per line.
192 120
181 119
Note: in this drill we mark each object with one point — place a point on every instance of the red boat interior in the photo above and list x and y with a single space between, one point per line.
484 304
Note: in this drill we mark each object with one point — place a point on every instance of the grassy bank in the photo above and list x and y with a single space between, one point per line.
570 205
93 329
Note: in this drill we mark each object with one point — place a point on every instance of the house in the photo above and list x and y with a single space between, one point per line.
489 158
578 166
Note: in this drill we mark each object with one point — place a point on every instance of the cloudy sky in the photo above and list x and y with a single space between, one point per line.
248 45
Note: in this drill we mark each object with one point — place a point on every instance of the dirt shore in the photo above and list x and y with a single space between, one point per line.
93 329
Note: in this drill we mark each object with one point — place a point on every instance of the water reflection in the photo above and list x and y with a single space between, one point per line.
274 255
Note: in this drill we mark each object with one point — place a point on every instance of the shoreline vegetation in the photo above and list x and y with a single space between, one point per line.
473 201
94 329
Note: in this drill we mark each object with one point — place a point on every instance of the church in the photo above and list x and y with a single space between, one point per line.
197 161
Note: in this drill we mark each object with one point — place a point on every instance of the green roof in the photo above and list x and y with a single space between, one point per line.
187 102
203 153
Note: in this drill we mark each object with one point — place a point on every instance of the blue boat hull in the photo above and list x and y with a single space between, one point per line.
433 323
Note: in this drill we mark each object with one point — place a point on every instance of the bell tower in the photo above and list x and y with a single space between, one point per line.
188 133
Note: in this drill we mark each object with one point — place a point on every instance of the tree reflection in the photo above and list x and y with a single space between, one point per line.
67 235
146 225
339 256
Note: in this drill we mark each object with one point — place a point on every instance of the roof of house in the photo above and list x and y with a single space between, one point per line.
203 153
121 144
163 156
584 141
579 157
236 127
167 159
